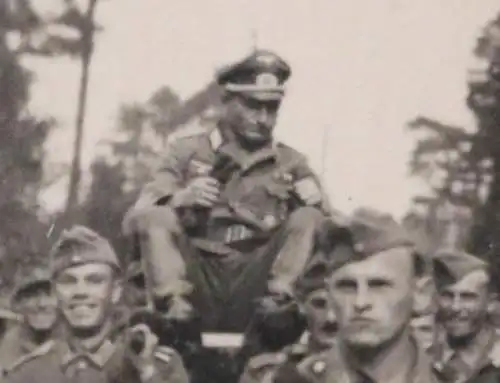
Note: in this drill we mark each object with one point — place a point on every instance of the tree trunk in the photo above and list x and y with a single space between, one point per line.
87 36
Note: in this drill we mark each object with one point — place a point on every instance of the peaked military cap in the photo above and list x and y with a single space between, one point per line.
37 279
369 232
261 75
80 245
450 266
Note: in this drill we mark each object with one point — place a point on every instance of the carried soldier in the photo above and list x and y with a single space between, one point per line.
231 215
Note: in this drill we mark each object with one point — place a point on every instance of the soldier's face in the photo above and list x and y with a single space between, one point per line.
463 306
87 294
373 298
320 316
252 120
39 310
424 329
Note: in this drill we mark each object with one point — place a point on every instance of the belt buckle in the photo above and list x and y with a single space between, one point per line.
237 232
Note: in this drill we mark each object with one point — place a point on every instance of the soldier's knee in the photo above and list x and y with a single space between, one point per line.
305 217
151 218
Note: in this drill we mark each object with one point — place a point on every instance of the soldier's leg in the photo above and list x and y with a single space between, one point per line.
296 243
160 232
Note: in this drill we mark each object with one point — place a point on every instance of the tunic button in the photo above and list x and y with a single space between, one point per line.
359 247
82 365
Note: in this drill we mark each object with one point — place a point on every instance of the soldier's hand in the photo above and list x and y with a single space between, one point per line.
143 359
201 191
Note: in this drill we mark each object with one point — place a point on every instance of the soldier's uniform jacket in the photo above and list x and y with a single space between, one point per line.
329 366
14 346
57 363
263 367
482 364
260 188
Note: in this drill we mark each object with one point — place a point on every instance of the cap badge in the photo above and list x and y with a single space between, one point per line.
267 80
76 259
266 59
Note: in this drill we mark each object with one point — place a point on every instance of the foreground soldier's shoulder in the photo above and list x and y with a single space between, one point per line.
31 357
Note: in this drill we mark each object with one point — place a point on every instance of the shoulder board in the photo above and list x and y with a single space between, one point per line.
44 349
164 354
297 349
266 360
287 152
314 364
186 132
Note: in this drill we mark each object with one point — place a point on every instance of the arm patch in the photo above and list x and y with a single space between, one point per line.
308 191
164 354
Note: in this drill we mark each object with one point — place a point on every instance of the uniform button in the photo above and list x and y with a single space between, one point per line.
319 367
270 221
82 365
359 247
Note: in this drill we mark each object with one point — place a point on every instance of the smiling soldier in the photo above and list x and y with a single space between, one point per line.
86 280
35 303
372 283
471 352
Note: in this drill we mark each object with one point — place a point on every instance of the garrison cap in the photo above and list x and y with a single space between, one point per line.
38 279
369 232
135 273
312 279
81 245
450 266
261 75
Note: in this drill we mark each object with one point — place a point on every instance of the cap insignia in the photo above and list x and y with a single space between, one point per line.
267 80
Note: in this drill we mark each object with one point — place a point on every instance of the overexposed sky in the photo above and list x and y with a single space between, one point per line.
361 70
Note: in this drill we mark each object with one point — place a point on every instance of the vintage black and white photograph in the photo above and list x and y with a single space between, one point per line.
250 191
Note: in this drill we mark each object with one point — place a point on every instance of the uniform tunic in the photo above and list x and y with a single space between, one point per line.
15 345
60 364
260 229
478 362
331 366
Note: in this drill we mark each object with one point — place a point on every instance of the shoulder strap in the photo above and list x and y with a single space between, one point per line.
44 349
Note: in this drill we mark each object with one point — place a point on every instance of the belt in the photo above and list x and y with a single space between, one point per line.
230 234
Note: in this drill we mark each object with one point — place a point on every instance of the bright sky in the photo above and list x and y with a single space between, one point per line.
361 70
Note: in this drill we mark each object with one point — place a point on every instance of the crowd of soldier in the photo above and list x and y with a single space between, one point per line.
236 234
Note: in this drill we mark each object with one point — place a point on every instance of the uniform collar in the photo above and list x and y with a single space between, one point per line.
483 350
420 369
246 160
99 357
